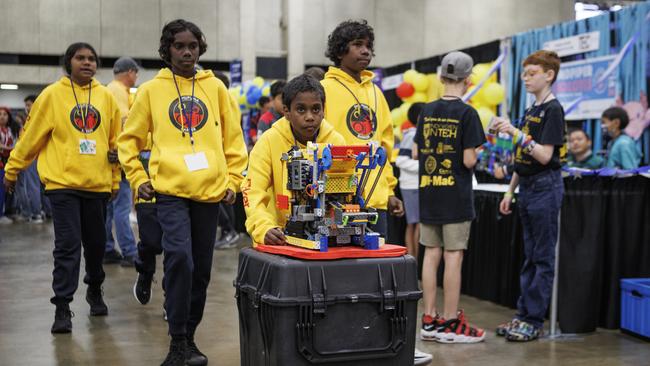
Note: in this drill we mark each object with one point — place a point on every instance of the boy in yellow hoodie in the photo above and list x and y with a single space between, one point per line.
303 99
71 128
358 110
197 159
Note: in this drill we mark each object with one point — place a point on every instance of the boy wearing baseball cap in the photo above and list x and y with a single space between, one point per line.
448 131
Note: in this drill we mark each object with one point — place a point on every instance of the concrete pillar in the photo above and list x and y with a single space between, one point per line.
247 38
295 30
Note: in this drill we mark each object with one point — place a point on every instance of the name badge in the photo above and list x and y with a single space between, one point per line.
87 147
196 161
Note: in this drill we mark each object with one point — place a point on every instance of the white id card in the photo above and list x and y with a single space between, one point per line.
87 147
196 161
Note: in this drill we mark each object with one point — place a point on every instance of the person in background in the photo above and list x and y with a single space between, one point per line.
315 72
8 134
580 154
275 112
622 151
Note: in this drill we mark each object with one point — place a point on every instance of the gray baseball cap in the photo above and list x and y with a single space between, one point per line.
456 65
125 64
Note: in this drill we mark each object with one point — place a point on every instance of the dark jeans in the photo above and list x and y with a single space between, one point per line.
150 233
78 221
226 218
540 199
189 229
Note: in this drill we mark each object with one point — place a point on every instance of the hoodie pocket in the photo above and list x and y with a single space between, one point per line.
173 176
87 171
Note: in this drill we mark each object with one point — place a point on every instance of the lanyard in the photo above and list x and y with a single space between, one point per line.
357 99
184 120
84 117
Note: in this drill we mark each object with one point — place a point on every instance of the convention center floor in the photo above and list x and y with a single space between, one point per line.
133 334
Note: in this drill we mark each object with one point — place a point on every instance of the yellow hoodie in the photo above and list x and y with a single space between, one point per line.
344 113
265 176
216 131
53 132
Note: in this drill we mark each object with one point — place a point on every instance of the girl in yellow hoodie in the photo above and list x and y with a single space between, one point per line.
71 127
358 110
197 159
304 100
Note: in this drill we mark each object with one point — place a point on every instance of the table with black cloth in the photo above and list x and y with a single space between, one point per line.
604 236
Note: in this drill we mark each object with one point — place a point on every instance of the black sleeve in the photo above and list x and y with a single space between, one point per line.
553 128
418 131
473 135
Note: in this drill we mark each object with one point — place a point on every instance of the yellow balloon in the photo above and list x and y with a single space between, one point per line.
410 75
485 114
479 71
396 115
493 93
258 81
418 97
420 83
405 107
266 91
477 98
242 99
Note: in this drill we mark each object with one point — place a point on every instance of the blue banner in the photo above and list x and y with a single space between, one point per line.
235 72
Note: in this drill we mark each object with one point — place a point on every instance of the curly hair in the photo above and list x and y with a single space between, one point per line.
176 26
72 50
302 84
344 33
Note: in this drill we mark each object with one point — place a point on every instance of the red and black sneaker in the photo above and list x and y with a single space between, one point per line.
430 327
459 331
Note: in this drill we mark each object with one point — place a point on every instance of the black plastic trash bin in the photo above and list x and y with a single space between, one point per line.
358 312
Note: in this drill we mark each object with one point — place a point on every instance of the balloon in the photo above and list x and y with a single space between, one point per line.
266 91
419 97
253 95
493 93
397 116
405 107
241 100
405 90
420 82
478 72
485 114
258 81
477 99
409 76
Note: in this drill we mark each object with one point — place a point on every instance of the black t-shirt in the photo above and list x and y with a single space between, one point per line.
445 129
545 123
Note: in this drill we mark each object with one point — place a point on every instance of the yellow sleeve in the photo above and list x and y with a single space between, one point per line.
34 137
387 141
133 139
234 147
257 189
116 128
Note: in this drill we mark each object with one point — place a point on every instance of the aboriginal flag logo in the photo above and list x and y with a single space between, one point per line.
195 110
93 118
361 121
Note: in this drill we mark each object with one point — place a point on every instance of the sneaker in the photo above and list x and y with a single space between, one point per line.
127 261
112 257
4 220
459 331
94 297
19 218
421 358
503 329
62 319
230 240
523 332
36 219
194 356
142 288
177 354
430 327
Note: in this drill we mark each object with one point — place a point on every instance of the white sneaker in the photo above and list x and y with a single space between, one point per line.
38 219
4 220
421 358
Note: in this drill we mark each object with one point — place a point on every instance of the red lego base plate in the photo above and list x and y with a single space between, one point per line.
386 250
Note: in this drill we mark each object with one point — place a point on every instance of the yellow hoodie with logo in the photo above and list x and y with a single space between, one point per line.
347 104
265 176
216 131
55 130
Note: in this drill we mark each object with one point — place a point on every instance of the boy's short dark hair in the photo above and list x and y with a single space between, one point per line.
176 26
619 113
580 130
221 76
302 84
548 60
276 88
70 52
344 33
263 100
30 98
315 72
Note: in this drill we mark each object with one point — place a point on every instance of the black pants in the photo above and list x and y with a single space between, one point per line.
150 233
189 228
77 221
226 218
